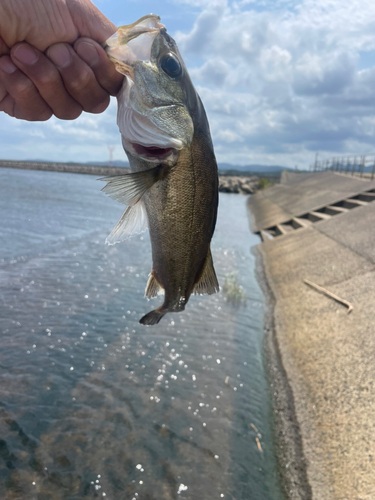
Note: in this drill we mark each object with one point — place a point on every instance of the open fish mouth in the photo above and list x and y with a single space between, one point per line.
154 125
153 152
132 43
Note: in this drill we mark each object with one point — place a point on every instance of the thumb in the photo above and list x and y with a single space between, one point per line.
89 21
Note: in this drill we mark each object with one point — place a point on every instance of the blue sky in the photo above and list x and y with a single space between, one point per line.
280 80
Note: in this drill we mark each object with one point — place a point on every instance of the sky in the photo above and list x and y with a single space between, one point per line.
280 81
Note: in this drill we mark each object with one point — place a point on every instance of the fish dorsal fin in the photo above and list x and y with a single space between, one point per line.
207 283
129 188
153 287
132 221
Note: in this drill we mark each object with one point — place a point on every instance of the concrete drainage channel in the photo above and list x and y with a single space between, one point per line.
323 213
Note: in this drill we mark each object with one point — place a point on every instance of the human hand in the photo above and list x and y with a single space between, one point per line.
62 81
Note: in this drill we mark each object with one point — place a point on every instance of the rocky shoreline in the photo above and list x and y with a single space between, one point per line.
238 184
227 183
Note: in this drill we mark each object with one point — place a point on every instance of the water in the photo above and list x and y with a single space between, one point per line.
94 405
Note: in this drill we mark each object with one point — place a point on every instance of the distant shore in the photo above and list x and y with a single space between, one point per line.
242 184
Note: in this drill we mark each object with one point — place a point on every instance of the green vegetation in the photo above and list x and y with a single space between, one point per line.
264 183
234 292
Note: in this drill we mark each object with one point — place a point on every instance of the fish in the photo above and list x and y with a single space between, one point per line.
173 185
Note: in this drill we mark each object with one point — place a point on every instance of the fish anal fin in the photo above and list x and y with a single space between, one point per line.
153 287
132 221
129 188
207 282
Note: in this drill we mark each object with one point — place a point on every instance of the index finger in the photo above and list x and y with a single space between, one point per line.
104 70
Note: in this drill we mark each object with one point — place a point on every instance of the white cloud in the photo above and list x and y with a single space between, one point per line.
204 28
275 63
280 80
37 133
214 71
229 136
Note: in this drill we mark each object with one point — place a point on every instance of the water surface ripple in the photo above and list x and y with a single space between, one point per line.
94 405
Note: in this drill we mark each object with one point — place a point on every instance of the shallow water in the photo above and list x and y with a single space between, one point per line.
94 405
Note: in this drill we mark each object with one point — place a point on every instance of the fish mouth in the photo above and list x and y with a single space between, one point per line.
153 153
132 43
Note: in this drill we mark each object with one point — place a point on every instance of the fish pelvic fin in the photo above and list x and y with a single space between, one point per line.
132 221
153 317
153 287
129 188
207 283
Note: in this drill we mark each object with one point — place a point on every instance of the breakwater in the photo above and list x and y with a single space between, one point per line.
74 168
227 183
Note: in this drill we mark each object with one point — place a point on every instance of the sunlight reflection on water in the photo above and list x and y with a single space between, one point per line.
92 404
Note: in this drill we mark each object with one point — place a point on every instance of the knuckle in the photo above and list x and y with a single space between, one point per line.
81 81
47 78
23 88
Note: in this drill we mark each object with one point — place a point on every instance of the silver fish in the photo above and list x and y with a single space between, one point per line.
173 187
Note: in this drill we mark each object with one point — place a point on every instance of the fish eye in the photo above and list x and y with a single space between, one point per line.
171 65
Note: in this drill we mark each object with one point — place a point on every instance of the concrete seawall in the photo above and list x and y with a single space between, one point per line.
320 227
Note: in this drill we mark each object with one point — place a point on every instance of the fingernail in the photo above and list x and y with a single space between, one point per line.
60 55
25 54
88 53
7 66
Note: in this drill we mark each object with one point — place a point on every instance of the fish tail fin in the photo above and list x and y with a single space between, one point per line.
153 317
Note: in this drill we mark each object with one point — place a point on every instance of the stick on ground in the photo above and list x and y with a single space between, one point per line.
330 294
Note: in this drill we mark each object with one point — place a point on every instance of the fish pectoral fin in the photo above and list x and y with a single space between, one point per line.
129 188
207 283
132 221
153 287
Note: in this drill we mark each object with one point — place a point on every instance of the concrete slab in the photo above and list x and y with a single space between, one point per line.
294 177
307 253
264 212
328 356
307 192
356 230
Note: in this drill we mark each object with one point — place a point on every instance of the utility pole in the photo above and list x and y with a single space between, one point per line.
111 149
316 161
